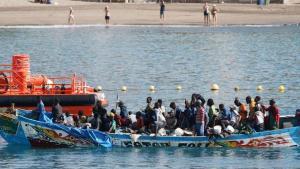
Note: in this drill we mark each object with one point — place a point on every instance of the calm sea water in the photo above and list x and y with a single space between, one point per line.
140 56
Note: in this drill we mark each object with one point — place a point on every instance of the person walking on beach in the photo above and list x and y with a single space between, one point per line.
214 12
71 19
206 13
107 14
162 10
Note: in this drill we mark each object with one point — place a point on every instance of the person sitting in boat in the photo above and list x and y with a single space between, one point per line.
242 110
95 122
160 121
113 124
201 118
274 115
235 117
63 89
171 121
69 121
212 112
116 117
56 111
131 117
138 126
161 107
105 123
177 111
225 116
259 119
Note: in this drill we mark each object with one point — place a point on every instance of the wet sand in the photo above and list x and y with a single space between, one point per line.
23 12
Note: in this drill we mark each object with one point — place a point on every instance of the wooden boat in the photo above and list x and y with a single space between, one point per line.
286 137
18 129
20 87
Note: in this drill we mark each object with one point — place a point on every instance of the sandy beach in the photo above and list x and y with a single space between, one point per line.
25 12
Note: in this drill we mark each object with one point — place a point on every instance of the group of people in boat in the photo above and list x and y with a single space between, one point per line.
199 117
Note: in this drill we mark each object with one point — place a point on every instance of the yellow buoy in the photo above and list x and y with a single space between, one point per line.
281 88
236 88
178 87
152 88
98 88
214 87
259 88
123 88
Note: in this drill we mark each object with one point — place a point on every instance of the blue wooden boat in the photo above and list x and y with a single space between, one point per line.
18 129
288 136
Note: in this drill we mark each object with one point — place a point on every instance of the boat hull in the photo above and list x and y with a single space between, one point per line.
276 138
24 131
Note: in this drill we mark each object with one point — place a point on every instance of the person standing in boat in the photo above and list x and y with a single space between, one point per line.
161 107
274 115
259 119
212 112
251 103
149 112
57 112
200 118
225 116
242 110
160 119
234 116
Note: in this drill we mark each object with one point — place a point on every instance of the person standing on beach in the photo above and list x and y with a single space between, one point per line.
206 13
71 19
214 12
162 10
107 14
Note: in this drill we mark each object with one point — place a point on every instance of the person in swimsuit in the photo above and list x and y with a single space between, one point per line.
107 15
162 10
71 19
214 11
206 13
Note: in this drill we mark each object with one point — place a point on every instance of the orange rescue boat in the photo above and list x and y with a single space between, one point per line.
19 87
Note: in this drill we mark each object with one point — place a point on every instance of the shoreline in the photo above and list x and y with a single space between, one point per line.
91 13
34 26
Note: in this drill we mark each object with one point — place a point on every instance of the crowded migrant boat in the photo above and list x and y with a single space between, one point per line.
199 117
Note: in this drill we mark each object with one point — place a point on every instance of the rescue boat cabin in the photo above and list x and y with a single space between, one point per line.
19 87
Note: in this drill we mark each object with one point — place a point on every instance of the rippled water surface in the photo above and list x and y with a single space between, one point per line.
140 56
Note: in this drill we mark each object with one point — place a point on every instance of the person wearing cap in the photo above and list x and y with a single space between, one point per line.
274 115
